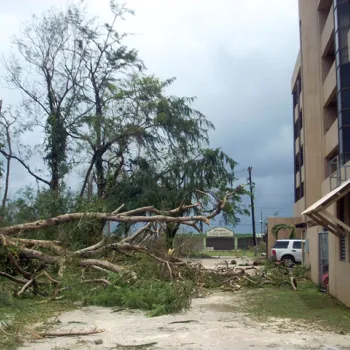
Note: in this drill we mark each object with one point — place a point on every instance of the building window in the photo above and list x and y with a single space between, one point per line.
302 190
301 156
342 248
295 101
349 247
296 130
342 28
297 194
297 163
341 209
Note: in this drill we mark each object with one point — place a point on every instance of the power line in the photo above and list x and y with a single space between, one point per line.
275 194
273 208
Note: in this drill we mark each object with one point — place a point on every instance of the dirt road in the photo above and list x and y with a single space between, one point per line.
215 322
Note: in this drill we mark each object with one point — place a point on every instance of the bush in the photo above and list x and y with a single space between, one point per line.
152 291
157 297
300 271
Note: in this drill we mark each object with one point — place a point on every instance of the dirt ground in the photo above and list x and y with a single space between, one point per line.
215 322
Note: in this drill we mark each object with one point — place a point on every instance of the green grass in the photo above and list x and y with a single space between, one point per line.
17 314
307 305
233 253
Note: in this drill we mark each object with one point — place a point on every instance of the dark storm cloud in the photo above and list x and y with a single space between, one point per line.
253 113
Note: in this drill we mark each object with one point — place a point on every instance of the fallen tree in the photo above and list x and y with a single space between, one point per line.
134 262
47 255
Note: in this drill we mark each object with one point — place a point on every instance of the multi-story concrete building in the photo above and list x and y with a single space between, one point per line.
321 118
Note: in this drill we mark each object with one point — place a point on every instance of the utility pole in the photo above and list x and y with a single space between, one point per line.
252 205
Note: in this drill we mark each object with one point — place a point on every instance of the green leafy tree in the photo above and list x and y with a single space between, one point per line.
168 183
284 227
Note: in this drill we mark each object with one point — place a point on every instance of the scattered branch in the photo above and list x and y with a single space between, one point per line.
69 334
137 233
98 280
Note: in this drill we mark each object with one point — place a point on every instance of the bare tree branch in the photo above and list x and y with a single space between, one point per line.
5 154
137 233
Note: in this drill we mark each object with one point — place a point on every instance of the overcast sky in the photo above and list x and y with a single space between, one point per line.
236 56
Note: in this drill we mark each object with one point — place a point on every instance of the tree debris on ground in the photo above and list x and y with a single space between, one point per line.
40 266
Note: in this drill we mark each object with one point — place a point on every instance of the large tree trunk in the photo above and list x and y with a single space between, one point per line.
170 233
56 149
131 216
56 132
101 182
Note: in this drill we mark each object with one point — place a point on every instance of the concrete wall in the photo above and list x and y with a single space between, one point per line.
312 258
312 90
283 234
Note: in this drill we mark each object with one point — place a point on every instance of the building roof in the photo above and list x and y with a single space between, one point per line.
329 198
320 216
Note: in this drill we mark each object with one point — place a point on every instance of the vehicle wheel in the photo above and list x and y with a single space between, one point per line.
288 260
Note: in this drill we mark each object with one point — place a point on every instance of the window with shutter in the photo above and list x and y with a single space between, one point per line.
342 240
342 248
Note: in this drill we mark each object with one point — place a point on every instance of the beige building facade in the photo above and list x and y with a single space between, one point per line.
321 118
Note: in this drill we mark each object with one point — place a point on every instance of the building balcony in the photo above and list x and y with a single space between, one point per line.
331 139
297 148
296 112
302 174
297 179
339 170
296 71
324 5
329 86
327 34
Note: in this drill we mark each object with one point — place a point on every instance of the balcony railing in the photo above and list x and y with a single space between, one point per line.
339 170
